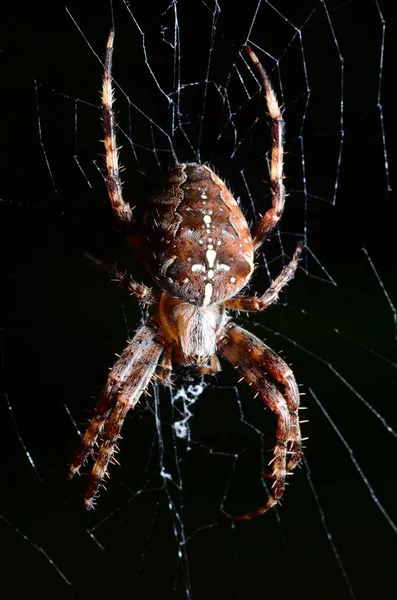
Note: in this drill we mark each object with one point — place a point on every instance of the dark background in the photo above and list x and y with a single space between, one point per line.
63 322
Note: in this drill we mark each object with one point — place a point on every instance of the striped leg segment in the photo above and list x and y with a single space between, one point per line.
260 366
121 209
270 219
257 303
127 380
142 293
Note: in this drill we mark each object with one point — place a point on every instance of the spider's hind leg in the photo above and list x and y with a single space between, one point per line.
255 362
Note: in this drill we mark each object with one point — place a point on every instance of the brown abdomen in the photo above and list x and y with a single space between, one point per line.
202 251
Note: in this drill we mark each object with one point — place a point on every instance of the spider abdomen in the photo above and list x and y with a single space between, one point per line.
202 246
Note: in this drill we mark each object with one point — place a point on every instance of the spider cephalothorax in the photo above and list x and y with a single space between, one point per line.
199 250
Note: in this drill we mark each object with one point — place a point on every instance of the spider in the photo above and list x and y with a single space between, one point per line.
198 248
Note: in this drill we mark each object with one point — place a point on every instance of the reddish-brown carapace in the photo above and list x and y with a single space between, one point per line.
199 250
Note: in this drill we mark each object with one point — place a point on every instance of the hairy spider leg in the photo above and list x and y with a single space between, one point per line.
129 377
257 303
121 209
144 294
255 362
268 222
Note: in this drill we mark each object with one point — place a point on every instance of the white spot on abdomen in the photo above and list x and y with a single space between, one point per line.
222 267
198 268
207 294
210 256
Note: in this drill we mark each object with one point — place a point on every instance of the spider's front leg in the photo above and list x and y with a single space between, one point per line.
255 362
127 380
269 220
121 209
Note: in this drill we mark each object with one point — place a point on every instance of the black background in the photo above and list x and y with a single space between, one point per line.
63 322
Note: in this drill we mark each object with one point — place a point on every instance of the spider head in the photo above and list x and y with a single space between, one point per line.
191 329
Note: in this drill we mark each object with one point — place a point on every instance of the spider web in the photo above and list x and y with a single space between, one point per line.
192 458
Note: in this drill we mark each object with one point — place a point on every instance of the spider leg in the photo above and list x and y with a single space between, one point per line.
270 219
127 380
144 294
255 303
121 209
255 361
